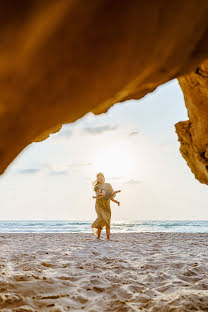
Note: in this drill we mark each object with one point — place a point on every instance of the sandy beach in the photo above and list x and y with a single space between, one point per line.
77 272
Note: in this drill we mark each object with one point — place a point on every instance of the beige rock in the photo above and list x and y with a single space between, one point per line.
193 134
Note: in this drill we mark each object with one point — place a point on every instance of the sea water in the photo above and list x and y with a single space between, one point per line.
75 226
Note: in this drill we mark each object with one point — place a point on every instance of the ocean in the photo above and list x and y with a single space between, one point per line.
74 226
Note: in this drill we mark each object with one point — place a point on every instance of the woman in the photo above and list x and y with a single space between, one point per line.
102 207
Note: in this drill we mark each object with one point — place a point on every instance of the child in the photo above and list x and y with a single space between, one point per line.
101 193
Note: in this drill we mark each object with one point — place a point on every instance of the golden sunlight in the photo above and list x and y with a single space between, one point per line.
114 160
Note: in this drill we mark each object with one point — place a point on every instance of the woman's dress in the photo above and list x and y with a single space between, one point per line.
103 210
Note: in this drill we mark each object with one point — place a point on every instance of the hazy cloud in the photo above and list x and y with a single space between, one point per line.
78 165
164 145
28 171
116 178
132 181
99 129
68 131
65 133
134 132
45 168
55 169
58 172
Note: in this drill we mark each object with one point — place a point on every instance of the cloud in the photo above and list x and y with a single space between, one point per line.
54 169
68 131
58 172
134 132
89 126
132 181
44 167
79 165
116 178
99 129
28 171
165 145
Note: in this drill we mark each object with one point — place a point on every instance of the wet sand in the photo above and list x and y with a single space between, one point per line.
77 272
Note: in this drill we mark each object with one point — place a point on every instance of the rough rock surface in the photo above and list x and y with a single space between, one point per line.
193 133
62 59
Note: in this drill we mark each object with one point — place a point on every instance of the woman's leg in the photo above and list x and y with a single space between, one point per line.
108 233
99 231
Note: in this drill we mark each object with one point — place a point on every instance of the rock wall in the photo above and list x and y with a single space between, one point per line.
193 133
62 59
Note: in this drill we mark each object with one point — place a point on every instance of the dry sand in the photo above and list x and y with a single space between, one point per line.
130 272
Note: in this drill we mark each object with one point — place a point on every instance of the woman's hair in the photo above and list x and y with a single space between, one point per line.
96 181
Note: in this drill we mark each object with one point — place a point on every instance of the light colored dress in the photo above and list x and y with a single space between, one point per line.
103 210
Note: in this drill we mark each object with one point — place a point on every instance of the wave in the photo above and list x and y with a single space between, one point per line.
74 226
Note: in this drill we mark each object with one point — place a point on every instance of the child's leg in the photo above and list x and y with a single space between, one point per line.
115 201
115 193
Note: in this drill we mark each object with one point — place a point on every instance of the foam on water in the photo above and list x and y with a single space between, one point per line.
72 226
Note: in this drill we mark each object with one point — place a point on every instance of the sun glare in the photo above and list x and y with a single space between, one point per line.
114 161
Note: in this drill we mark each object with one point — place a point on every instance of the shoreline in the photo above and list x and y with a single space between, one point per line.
147 271
116 226
103 233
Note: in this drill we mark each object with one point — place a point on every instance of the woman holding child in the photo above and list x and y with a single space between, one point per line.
105 193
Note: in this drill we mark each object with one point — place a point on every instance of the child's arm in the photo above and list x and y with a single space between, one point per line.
98 196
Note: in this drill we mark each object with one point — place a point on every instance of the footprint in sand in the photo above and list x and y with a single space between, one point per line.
23 278
48 265
7 300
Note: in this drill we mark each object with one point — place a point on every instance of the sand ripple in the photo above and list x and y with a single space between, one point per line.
76 272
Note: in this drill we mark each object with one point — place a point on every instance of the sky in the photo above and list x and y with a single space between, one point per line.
134 144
